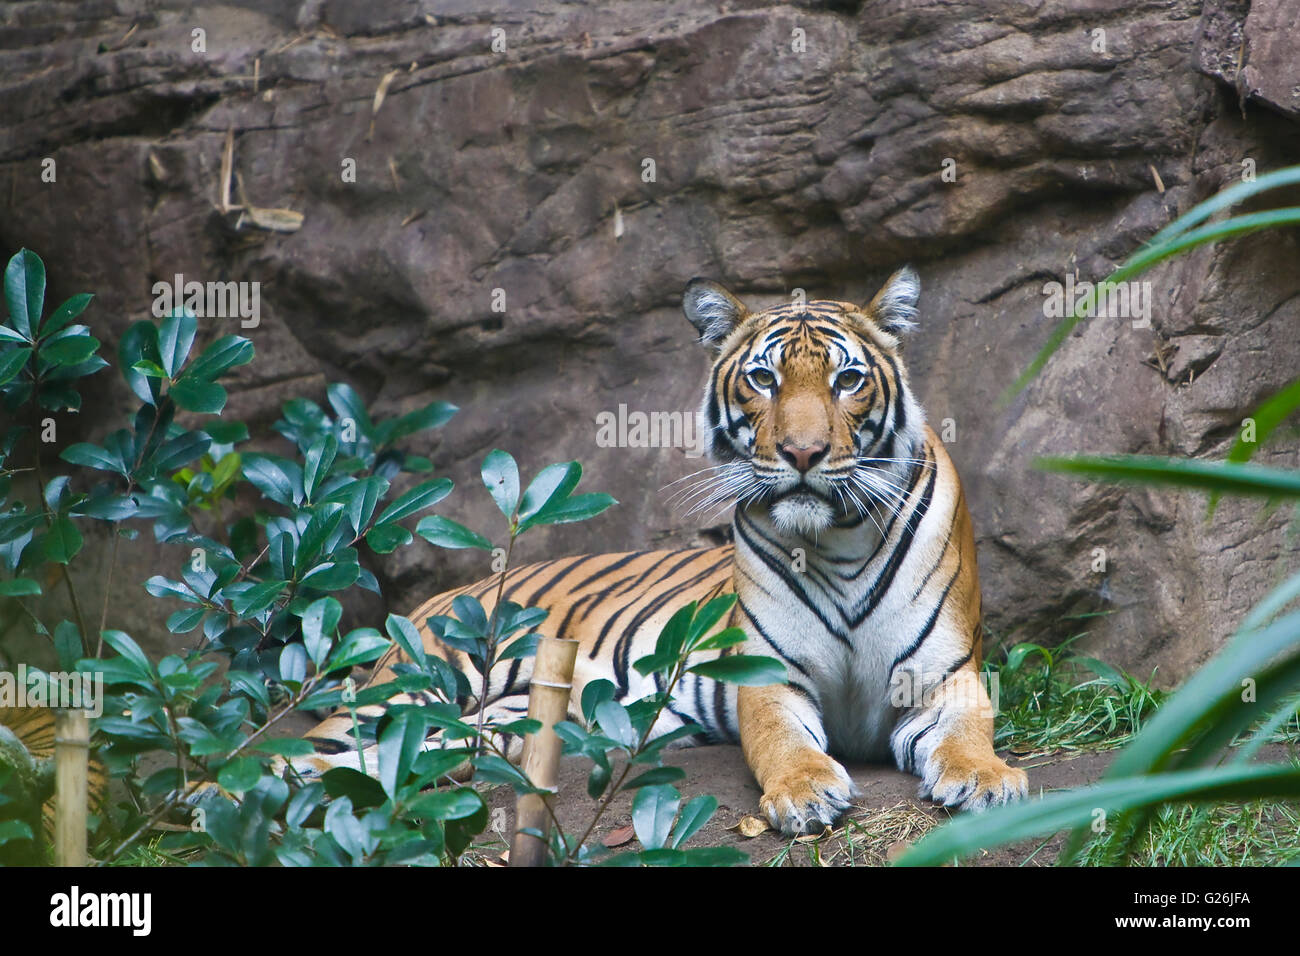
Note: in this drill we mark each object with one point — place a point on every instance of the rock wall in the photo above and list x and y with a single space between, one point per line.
609 152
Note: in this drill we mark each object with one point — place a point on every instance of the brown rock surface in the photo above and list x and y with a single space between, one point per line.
773 169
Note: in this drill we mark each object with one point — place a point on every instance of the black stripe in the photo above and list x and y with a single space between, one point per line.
880 587
929 624
743 525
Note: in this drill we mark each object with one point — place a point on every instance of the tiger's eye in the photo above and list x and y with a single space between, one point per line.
762 378
848 380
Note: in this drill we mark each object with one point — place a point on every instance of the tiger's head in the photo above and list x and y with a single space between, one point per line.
807 412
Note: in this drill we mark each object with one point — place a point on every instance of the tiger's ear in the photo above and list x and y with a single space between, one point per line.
894 307
712 310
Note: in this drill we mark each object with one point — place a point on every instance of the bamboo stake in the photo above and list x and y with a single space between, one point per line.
71 787
548 701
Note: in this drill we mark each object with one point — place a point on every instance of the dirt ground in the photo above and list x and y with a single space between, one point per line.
887 814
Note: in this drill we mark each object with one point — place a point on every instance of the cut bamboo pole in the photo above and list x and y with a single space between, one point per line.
548 702
71 787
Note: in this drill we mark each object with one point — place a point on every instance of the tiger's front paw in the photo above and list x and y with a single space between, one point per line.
971 781
808 796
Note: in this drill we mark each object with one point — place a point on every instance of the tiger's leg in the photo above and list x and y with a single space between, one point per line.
781 734
947 741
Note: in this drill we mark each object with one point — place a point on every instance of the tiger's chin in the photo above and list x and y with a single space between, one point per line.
802 514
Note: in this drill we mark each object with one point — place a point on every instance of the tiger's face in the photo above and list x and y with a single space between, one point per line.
808 412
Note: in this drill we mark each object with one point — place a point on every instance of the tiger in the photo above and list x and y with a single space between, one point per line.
852 561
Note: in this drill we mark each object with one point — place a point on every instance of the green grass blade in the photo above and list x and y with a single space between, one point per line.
1239 192
1177 237
1226 477
1267 417
1272 605
1184 714
1212 694
1074 808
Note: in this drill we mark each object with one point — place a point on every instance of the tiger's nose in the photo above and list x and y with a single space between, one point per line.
803 458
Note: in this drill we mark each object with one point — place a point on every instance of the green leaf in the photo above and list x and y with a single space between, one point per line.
747 670
140 342
493 769
65 313
160 586
697 812
332 576
25 291
448 534
63 540
656 776
344 782
11 830
714 856
386 538
293 665
92 456
318 623
407 637
19 587
361 646
128 649
707 618
227 433
615 722
269 478
240 774
222 355
317 463
347 404
446 804
501 476
422 496
67 645
302 803
179 451
256 598
553 483
175 337
653 812
70 350
577 508
13 362
433 415
185 620
593 695
399 743
728 637
197 395
525 646
285 747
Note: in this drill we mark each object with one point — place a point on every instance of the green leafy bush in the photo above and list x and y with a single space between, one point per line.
266 592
